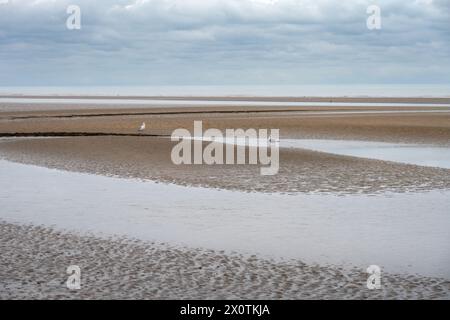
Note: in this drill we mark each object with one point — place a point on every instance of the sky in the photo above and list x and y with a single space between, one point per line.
224 42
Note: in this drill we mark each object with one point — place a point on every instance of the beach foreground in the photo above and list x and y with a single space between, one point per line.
34 262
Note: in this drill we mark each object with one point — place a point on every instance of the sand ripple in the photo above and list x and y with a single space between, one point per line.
34 261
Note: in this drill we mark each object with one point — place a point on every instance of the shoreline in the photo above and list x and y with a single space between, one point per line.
243 98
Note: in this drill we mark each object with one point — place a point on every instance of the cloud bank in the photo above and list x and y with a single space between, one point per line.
197 42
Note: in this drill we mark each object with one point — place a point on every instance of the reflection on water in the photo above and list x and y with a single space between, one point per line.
405 153
422 155
400 232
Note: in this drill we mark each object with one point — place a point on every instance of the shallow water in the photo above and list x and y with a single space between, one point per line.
400 232
422 155
198 103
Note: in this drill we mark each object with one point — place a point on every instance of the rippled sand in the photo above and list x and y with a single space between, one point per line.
149 158
34 262
300 171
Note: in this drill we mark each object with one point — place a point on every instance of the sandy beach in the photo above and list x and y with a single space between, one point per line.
126 269
103 140
225 150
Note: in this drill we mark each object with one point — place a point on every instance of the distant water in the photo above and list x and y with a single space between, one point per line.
195 103
414 90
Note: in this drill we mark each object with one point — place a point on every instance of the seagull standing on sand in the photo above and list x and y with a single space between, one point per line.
142 128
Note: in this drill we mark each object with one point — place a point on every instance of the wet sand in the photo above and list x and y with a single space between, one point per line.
143 270
149 158
397 124
37 259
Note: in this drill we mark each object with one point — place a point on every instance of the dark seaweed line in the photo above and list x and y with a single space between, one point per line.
92 115
205 112
74 134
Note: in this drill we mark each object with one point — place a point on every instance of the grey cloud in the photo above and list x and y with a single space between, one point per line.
223 42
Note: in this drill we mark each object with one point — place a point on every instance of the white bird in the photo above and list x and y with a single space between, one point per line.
142 128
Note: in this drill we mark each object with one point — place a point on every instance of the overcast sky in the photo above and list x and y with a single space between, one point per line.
230 42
